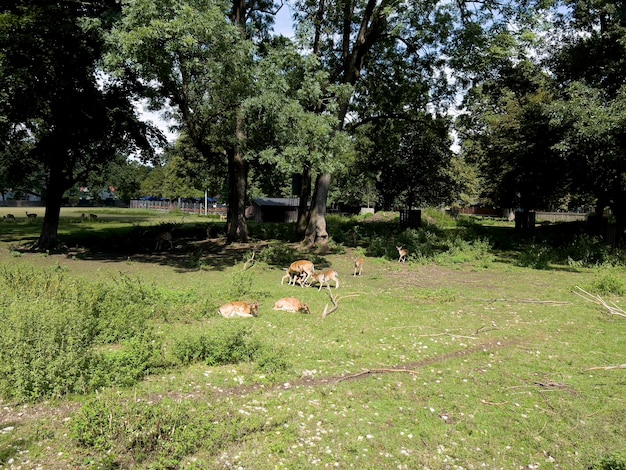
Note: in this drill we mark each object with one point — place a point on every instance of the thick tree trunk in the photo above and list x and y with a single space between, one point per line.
49 237
236 226
316 229
303 208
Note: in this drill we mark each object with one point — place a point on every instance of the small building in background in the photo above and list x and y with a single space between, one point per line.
273 209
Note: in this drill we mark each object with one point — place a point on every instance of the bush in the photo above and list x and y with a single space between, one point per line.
228 343
608 284
53 325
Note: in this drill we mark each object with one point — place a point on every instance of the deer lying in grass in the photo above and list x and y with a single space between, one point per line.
325 277
291 304
31 215
404 254
358 266
9 217
300 272
239 310
164 237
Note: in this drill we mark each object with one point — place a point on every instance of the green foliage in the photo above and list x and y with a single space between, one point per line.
611 462
278 255
229 342
53 325
608 283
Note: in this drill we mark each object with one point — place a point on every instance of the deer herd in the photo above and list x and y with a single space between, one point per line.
303 273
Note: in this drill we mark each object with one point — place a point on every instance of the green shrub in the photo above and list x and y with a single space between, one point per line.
608 284
278 255
229 342
53 324
611 462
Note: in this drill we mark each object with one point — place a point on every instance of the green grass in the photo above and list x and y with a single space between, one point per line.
465 357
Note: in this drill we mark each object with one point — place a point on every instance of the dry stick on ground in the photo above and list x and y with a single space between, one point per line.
596 299
335 301
250 261
374 371
623 366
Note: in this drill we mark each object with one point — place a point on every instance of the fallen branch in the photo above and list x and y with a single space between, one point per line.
532 301
494 403
374 371
623 366
335 301
596 299
251 261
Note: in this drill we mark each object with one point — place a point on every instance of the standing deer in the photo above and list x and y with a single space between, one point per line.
31 215
325 278
239 310
164 237
93 216
9 217
291 304
358 266
404 254
300 272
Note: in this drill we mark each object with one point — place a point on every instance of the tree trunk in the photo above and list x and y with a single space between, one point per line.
236 226
49 237
305 193
316 229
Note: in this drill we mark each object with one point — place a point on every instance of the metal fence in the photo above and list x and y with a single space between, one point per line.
170 206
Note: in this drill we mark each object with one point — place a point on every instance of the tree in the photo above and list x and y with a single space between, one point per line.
509 133
351 37
59 114
590 62
196 56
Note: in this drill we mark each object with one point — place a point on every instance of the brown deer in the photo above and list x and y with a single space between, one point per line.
325 278
404 254
358 266
31 215
291 304
239 310
9 217
300 272
164 237
93 217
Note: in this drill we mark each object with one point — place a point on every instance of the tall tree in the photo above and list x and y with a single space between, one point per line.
348 35
196 56
509 133
59 114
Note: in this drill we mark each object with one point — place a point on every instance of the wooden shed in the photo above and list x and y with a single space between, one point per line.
273 209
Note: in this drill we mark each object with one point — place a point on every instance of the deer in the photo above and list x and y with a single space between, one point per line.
358 266
9 217
291 304
239 310
31 215
325 277
300 272
164 237
93 216
404 254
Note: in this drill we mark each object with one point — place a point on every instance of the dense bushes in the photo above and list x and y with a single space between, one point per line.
55 328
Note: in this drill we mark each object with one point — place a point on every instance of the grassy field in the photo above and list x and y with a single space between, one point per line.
477 353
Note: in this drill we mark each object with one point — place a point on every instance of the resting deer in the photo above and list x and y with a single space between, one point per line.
9 217
164 237
358 266
239 310
325 278
31 215
300 272
404 254
291 304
